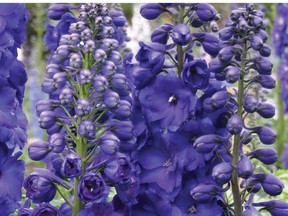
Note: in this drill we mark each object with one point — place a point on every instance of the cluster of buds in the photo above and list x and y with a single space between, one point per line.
87 115
243 60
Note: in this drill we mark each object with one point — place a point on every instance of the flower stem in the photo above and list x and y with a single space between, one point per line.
235 183
81 151
280 123
180 53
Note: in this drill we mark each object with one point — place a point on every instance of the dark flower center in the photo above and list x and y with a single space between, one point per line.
193 71
167 163
191 210
172 99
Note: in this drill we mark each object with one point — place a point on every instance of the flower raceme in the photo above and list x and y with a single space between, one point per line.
87 115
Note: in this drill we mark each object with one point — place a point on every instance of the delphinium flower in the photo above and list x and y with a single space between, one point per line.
177 100
13 122
243 60
87 116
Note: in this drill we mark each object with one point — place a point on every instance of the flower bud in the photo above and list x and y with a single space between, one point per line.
86 34
119 84
108 68
250 103
123 111
226 33
265 50
45 105
207 143
181 34
66 96
72 166
75 60
47 119
59 80
209 42
54 129
262 34
235 124
151 11
83 107
160 35
265 155
85 76
235 14
274 207
124 130
91 188
109 143
266 110
244 167
206 12
51 69
266 81
226 54
38 150
86 129
115 57
232 74
256 42
204 193
111 99
271 184
57 142
219 99
118 17
256 21
266 135
100 83
222 173
263 65
48 85
46 209
39 189
100 55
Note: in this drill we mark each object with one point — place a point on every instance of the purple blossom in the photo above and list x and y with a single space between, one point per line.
167 101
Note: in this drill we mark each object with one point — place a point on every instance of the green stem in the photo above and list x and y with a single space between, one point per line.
280 123
235 153
180 53
81 150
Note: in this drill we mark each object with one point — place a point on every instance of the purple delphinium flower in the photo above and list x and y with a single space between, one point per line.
91 188
167 100
13 123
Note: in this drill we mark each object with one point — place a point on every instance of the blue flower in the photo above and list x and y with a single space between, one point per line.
11 178
167 100
196 75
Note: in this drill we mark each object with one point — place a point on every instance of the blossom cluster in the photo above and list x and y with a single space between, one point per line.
172 87
13 122
186 121
87 116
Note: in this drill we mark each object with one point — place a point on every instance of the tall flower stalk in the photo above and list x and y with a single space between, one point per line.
87 115
243 60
